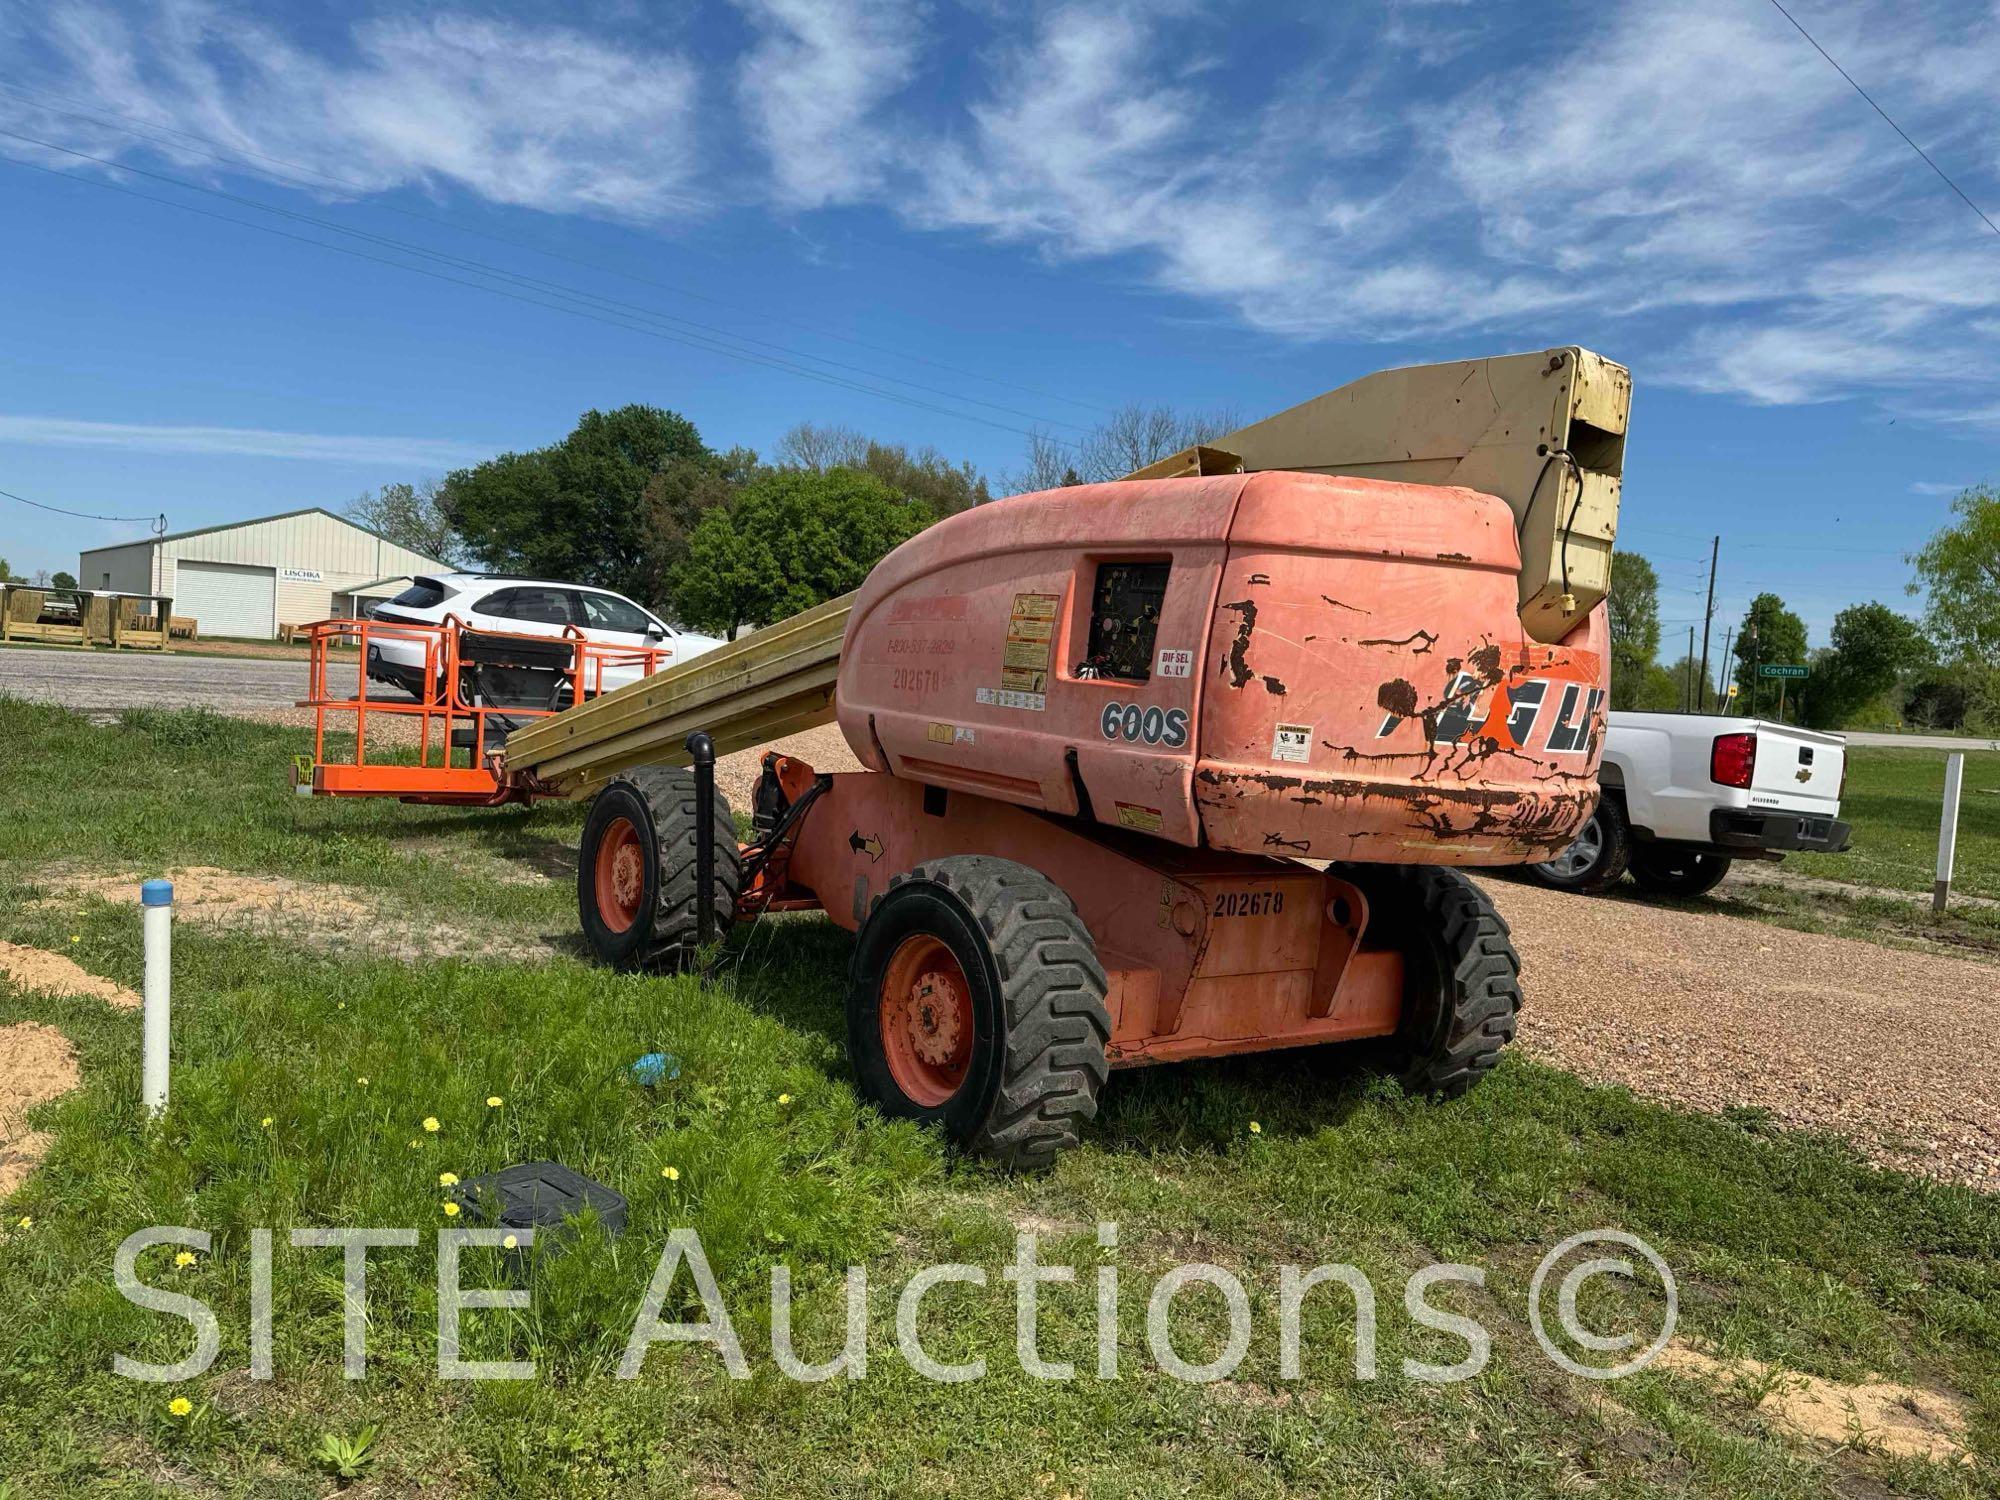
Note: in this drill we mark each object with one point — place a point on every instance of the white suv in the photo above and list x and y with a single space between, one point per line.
527 606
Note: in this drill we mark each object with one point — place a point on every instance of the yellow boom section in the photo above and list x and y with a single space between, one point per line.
1545 432
746 693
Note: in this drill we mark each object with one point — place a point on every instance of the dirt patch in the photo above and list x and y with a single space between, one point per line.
336 918
37 1063
37 969
483 864
1886 1047
1903 1421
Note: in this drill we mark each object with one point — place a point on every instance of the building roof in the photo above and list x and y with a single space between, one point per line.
379 583
283 515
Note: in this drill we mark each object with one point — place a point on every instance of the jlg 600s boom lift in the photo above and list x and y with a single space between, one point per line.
1164 768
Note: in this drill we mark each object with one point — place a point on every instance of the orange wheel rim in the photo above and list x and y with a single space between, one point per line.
620 875
925 1010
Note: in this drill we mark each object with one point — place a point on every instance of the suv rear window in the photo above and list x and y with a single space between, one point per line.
539 606
423 594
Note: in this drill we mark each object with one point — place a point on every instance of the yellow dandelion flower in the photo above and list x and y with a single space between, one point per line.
1255 1128
415 1144
494 1101
185 1258
362 1080
447 1179
672 1174
450 1209
180 1406
76 937
268 1121
27 1221
510 1242
784 1098
431 1123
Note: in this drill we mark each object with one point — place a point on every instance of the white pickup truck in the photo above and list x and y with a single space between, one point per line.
1685 795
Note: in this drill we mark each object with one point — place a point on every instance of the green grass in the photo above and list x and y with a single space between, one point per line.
1893 800
1788 1247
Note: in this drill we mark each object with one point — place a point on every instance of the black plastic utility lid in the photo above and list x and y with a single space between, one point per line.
539 1195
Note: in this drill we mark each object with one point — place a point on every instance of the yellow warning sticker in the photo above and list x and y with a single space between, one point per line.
939 734
1036 606
1144 819
1027 654
1025 679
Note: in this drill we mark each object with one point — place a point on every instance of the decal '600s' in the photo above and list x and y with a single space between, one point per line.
1151 726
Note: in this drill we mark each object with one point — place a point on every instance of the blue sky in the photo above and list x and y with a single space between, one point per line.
1012 216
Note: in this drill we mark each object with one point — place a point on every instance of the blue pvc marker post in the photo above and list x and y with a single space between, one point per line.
157 899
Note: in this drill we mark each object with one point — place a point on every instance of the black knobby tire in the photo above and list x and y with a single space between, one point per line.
1035 989
1592 864
1462 986
1678 872
657 803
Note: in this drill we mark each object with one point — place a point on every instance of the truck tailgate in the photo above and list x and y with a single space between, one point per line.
1798 770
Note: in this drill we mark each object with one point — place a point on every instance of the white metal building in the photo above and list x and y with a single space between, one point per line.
250 577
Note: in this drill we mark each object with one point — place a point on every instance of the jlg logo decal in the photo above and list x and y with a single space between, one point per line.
1467 711
1151 726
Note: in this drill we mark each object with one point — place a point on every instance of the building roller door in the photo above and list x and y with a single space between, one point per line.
228 599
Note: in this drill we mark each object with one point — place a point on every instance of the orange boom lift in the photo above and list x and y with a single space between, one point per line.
1166 768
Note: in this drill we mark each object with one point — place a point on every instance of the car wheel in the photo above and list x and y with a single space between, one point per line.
1678 872
1596 859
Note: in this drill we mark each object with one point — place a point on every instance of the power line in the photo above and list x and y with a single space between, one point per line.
110 120
1942 176
706 332
85 515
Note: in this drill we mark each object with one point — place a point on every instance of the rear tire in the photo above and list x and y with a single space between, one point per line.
635 881
1461 988
1678 872
977 1004
1600 854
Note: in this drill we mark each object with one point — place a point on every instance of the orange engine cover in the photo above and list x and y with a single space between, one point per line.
1273 663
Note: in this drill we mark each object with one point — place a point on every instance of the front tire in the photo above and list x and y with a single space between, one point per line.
1678 872
977 1003
1461 986
636 882
1598 856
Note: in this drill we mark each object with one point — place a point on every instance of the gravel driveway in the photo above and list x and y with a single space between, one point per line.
107 681
1888 1047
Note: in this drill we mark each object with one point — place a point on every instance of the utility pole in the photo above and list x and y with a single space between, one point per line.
1687 676
1722 669
1708 618
1754 664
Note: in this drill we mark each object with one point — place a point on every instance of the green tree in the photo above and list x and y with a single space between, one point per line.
576 510
1958 572
1633 607
1770 634
787 541
64 580
1677 689
924 474
1871 647
413 516
675 500
6 573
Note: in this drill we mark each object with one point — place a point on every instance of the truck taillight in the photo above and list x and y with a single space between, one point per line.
1732 759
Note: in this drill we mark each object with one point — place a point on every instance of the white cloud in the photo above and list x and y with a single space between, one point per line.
1935 487
240 442
1687 184
809 85
535 116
